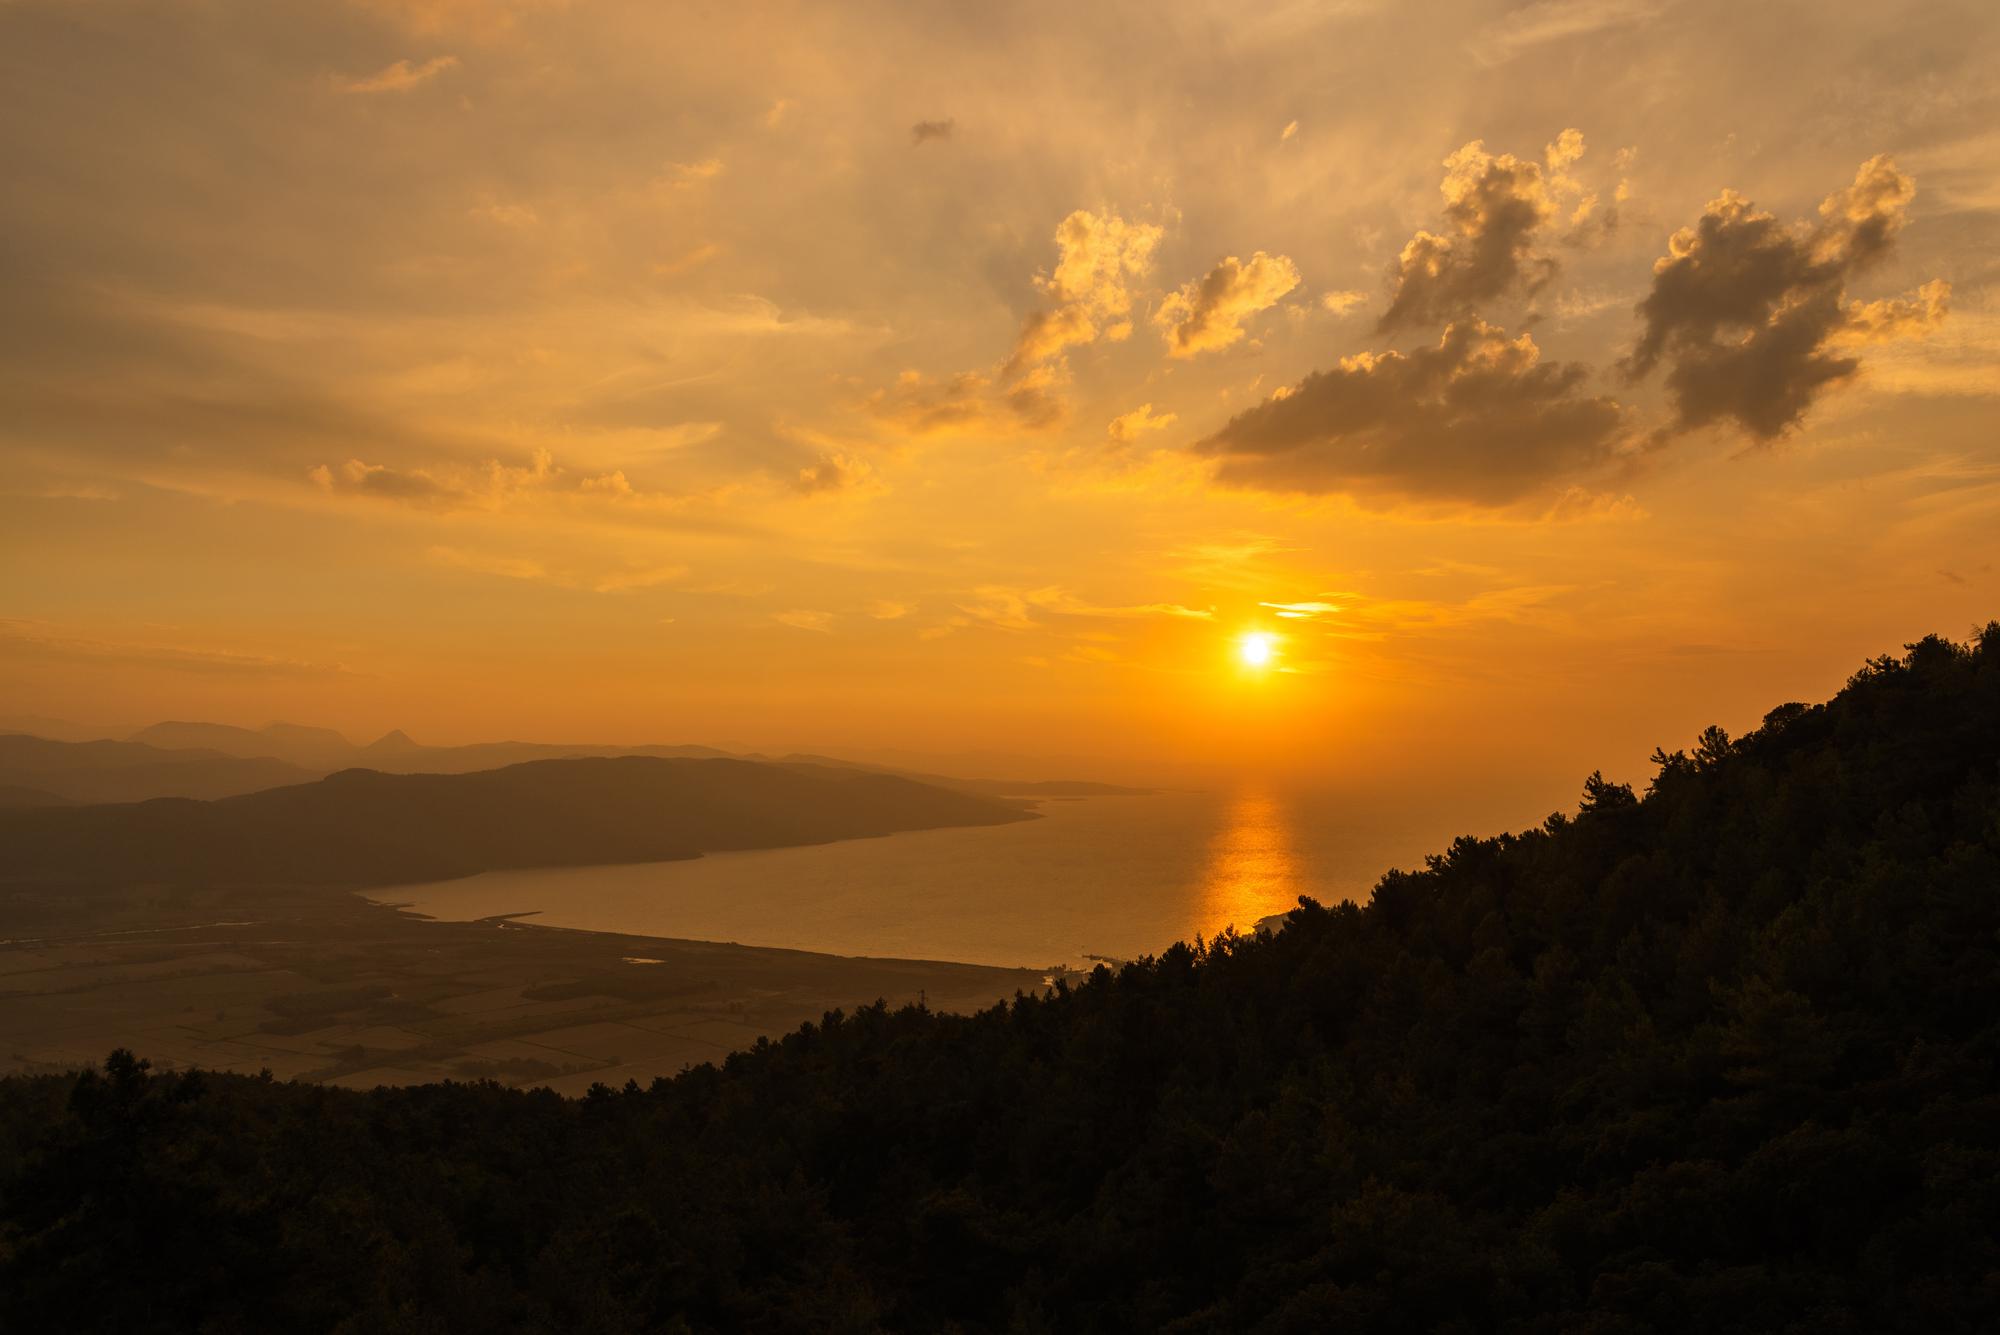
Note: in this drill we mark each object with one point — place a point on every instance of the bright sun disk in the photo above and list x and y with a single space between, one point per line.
1257 648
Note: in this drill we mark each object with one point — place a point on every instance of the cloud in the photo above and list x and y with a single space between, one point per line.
1290 131
687 175
1209 314
1340 303
638 577
803 620
44 640
1089 298
1015 609
618 579
517 216
480 18
1097 257
1911 316
925 406
1477 418
489 485
883 609
399 77
379 480
925 131
1302 611
1130 426
692 258
1546 21
1494 206
830 472
1746 310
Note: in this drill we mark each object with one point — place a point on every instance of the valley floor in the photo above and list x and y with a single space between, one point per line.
321 985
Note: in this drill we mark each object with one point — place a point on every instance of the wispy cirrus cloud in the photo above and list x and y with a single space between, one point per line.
399 77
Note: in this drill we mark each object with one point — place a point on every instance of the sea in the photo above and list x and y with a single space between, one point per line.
1103 878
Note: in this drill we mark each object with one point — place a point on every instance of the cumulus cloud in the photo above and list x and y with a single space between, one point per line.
1747 311
1911 316
399 77
1478 418
1089 298
925 131
1493 207
1341 302
1098 255
1209 314
1130 426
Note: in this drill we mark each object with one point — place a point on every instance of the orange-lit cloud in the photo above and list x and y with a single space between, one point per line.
1128 427
1494 207
1477 417
1746 309
399 77
1208 314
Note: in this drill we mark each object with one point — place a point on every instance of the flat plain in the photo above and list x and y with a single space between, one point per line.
321 985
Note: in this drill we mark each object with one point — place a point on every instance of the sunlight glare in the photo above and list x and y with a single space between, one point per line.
1257 648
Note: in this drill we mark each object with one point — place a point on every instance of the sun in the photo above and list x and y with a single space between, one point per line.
1256 649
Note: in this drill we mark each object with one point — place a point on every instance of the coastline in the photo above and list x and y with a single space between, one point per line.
328 986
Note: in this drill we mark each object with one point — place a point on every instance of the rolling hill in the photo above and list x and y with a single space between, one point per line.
363 827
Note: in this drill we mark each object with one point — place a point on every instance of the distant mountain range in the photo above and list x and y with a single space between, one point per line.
324 750
363 827
35 771
215 760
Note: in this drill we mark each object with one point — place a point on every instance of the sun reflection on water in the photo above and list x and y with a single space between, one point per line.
1253 869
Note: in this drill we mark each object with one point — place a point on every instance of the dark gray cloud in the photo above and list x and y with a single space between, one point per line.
1477 418
1493 208
1749 313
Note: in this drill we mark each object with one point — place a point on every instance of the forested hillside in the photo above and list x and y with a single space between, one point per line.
1717 1057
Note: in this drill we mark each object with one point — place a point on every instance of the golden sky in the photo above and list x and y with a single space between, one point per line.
1552 379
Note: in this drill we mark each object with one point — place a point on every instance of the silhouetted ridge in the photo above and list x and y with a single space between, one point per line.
107 771
1719 1059
363 827
396 742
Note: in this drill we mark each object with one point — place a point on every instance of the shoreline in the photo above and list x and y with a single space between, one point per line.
333 987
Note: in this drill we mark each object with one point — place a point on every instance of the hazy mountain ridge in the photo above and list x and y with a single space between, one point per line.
212 760
325 750
365 827
111 771
1722 1058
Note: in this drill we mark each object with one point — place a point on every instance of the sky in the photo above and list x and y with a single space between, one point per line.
1550 379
